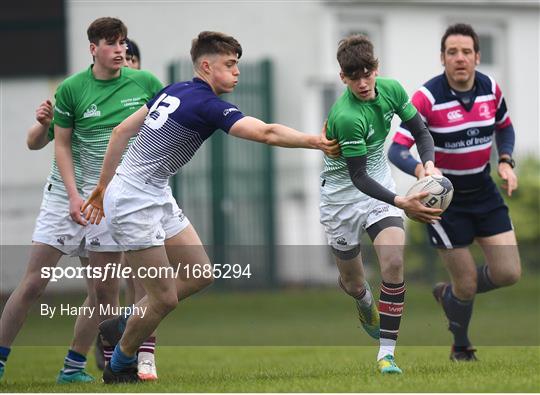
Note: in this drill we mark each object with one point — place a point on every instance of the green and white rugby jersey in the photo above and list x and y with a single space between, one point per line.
361 128
92 108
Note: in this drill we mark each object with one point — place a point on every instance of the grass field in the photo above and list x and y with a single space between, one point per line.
307 341
296 369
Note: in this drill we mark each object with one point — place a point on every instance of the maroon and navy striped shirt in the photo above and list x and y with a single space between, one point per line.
463 134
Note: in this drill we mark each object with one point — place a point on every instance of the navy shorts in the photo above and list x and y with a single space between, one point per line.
475 214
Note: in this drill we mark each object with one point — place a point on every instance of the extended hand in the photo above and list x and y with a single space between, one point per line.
426 170
510 181
93 208
416 210
329 147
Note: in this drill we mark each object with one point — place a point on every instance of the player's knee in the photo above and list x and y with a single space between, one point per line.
104 293
32 289
206 281
507 278
465 290
166 303
353 287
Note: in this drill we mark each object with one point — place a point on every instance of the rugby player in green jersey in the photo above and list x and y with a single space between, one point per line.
357 190
115 93
88 106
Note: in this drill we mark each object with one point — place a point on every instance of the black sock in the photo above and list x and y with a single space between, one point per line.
483 282
459 314
391 302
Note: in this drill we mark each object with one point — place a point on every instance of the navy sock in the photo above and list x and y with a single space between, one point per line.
74 362
4 353
459 314
483 282
120 360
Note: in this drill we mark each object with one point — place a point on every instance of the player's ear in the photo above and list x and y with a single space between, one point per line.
205 66
93 48
342 76
442 59
477 58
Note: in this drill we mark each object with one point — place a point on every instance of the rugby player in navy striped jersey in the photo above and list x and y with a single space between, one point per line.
464 109
140 210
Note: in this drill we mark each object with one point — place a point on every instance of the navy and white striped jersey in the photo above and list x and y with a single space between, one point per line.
179 119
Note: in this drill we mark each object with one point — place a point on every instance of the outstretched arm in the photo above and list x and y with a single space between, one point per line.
282 136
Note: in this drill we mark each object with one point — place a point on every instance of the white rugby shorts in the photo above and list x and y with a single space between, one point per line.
141 216
345 223
55 227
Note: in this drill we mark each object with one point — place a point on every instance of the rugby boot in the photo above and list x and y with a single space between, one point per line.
127 375
387 365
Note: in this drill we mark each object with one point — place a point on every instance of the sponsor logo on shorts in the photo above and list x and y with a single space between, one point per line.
341 241
380 210
181 217
159 236
61 240
95 242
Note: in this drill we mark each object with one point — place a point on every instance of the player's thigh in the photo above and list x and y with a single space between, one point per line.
152 269
185 249
502 256
41 256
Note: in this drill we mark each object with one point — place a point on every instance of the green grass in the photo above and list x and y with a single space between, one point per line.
306 340
296 369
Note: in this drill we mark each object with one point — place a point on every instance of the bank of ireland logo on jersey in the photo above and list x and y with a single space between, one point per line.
92 111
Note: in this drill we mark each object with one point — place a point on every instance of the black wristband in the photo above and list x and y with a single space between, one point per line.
510 161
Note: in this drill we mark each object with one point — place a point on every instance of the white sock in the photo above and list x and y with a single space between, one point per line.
366 299
386 347
145 356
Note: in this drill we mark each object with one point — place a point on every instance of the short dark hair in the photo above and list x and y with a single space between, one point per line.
133 49
355 56
461 29
108 28
214 43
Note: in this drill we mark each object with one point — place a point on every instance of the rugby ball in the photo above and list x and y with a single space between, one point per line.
440 191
